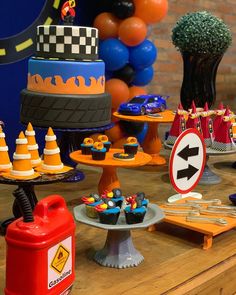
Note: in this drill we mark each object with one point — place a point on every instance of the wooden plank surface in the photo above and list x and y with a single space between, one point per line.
174 260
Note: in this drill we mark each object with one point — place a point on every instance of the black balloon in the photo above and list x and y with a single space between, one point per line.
123 8
125 74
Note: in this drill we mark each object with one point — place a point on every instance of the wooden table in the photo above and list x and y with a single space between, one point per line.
152 143
109 179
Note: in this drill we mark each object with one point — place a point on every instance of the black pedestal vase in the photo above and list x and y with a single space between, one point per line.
199 79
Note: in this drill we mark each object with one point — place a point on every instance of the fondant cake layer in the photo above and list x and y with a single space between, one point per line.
67 42
66 77
65 111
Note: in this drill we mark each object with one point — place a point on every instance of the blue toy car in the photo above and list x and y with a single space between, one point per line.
143 105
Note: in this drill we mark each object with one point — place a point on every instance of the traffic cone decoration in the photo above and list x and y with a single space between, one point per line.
207 126
224 135
22 167
5 163
32 146
219 117
178 125
193 118
51 163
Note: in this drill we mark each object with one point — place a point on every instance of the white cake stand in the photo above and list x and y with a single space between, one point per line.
119 251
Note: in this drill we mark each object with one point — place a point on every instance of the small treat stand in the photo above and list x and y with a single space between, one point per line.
152 142
109 179
119 251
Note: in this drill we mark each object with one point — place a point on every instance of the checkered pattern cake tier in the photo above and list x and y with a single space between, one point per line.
67 42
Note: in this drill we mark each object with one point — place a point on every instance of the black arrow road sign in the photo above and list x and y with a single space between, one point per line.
188 172
188 152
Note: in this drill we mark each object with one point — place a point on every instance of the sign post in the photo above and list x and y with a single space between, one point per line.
187 162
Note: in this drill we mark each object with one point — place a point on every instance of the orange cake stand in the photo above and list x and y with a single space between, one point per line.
208 230
152 142
109 179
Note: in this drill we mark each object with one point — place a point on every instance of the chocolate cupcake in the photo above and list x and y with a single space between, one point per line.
131 146
104 139
86 146
98 151
108 212
134 215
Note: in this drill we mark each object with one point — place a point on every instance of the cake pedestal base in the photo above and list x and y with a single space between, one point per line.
118 251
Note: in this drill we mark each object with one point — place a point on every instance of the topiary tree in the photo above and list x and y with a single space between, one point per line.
202 39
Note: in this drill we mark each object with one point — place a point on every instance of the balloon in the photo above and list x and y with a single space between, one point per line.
118 90
107 24
108 75
132 31
123 8
151 11
125 74
114 54
135 90
143 55
115 133
143 77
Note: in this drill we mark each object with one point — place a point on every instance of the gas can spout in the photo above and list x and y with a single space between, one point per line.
24 205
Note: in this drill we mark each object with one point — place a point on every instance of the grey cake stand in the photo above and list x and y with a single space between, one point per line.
119 251
208 176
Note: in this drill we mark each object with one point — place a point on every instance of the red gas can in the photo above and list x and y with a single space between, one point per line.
41 254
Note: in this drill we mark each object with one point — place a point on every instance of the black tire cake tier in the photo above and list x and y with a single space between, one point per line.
66 82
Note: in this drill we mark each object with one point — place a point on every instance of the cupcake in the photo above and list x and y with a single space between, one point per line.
90 203
115 195
108 212
98 151
105 141
134 213
86 146
131 147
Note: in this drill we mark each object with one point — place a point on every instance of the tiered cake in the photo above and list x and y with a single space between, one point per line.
66 80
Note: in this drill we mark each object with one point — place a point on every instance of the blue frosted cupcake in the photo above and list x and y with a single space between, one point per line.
104 139
108 212
90 204
131 146
98 151
134 212
86 146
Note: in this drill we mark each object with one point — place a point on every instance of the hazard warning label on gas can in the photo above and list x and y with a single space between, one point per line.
59 262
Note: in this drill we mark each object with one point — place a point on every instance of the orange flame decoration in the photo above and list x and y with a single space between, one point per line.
38 84
132 201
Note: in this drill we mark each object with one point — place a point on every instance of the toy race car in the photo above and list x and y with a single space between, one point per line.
143 105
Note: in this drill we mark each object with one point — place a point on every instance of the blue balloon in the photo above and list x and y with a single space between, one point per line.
143 77
143 55
114 53
108 75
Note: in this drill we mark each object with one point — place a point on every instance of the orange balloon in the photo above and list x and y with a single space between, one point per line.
115 133
107 25
118 90
135 90
132 31
151 11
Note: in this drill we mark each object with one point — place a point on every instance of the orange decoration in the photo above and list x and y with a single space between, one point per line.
107 24
115 133
132 31
70 86
135 90
151 11
95 136
118 90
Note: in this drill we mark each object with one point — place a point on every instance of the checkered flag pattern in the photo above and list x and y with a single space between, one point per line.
67 42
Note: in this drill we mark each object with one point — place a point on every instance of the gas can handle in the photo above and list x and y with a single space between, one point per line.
49 206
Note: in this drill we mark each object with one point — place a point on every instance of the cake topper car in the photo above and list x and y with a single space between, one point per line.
144 104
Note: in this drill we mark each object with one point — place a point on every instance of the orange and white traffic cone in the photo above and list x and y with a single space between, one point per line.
52 163
5 163
22 167
32 146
